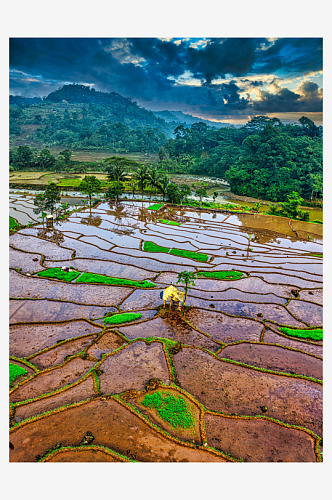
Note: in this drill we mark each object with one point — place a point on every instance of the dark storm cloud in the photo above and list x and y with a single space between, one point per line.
291 56
308 99
222 56
147 69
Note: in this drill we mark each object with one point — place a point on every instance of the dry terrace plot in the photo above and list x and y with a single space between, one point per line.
220 381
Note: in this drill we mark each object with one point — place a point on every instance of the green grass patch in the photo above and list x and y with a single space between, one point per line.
12 223
121 318
15 371
171 222
201 257
221 275
149 246
317 255
156 206
304 333
107 280
57 273
172 409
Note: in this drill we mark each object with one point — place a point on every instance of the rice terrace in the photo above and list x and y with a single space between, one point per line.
166 256
102 371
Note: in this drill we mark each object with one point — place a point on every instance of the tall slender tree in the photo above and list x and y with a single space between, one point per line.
142 175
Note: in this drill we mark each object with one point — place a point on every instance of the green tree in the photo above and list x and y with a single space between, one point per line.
154 179
185 191
142 176
201 192
45 160
188 279
214 196
48 199
90 185
164 181
173 193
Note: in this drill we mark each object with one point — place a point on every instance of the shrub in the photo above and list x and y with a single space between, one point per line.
304 333
121 318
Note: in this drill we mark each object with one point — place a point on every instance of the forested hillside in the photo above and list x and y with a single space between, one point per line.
263 159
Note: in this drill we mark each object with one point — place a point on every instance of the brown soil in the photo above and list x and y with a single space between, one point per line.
112 269
80 392
44 310
224 328
132 368
142 299
24 261
111 425
50 381
170 327
57 355
313 296
31 244
25 340
107 343
273 338
258 440
275 358
310 313
228 388
82 455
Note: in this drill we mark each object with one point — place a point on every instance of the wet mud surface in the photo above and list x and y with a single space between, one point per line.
218 353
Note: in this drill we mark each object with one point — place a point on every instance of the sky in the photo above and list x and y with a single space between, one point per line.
220 79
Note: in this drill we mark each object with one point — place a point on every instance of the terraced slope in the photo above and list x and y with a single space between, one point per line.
227 379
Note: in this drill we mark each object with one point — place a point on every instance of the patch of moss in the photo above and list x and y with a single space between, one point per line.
149 246
121 318
107 280
15 371
156 206
171 222
201 257
13 224
221 275
304 333
56 272
172 409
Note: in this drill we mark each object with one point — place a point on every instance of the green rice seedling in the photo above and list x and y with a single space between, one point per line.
108 280
172 409
156 206
121 318
221 275
201 257
304 333
15 371
149 246
59 274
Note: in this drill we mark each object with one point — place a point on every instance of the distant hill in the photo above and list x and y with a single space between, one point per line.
184 119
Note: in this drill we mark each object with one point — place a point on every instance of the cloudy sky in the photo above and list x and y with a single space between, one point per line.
222 79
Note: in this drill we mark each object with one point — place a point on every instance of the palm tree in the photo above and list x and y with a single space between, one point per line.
163 183
154 178
117 173
142 176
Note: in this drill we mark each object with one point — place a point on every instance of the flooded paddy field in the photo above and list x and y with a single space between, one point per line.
235 376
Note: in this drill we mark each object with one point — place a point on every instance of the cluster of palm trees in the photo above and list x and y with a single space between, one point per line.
118 173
